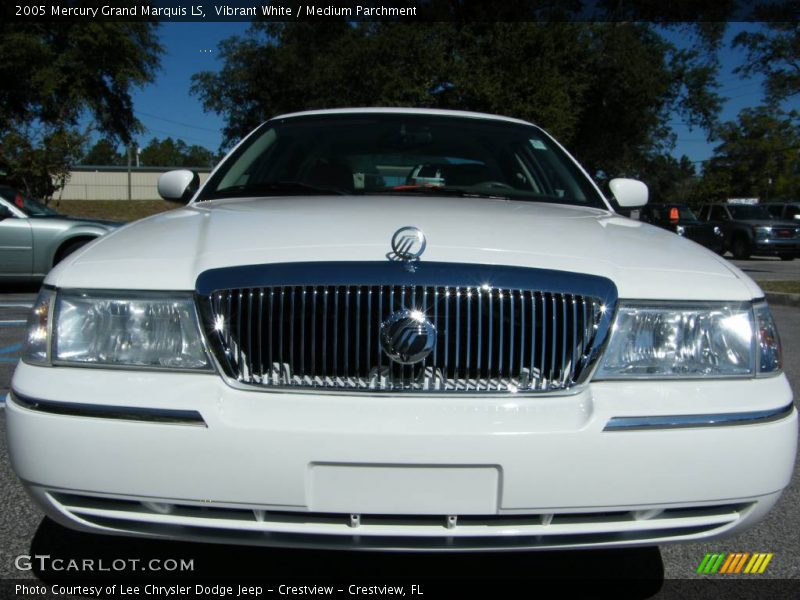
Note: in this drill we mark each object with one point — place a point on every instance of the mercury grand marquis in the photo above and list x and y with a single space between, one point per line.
401 329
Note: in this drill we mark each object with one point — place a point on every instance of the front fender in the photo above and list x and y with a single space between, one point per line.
46 243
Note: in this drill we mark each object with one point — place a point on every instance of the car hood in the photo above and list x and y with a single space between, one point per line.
168 251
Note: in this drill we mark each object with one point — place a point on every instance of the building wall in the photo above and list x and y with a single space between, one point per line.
111 184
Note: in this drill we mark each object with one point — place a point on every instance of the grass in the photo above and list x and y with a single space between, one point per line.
115 210
788 287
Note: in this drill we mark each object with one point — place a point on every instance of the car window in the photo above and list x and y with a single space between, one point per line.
26 204
776 210
748 211
718 213
792 212
402 153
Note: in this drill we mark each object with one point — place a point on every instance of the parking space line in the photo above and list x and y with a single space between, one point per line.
13 322
11 348
15 305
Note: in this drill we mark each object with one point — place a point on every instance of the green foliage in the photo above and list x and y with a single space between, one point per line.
175 153
774 52
759 156
669 179
38 160
606 90
55 73
104 152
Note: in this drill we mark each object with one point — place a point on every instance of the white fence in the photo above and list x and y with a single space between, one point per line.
111 183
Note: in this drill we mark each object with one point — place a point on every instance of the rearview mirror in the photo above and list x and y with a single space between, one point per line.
178 186
629 193
5 212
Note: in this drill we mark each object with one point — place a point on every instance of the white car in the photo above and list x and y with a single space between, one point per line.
315 352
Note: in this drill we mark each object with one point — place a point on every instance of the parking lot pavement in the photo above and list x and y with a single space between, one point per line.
13 316
769 268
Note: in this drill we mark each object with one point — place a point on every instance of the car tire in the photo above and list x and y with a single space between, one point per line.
69 248
740 248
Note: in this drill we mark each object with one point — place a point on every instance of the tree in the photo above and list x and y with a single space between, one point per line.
39 157
774 51
104 152
175 153
54 73
759 156
669 179
607 90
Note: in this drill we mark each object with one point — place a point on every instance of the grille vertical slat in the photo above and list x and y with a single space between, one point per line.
487 338
468 334
457 326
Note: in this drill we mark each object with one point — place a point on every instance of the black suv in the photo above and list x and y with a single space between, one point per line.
680 219
750 229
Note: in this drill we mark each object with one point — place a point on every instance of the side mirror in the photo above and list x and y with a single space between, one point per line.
178 186
5 212
629 193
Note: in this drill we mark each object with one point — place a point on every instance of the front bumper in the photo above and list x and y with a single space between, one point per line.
776 247
403 471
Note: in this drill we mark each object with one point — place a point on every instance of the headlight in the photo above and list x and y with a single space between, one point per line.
124 329
37 347
683 341
769 344
763 233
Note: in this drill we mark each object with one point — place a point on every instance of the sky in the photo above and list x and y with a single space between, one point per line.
167 109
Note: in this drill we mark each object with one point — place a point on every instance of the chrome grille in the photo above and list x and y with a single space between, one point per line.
488 337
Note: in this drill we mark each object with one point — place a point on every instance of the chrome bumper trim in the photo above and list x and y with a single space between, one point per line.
709 420
123 413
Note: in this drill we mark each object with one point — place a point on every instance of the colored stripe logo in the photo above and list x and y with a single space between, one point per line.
734 563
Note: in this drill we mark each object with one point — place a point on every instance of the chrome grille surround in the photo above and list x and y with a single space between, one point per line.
317 325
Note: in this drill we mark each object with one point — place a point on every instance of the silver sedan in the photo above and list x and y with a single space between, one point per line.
34 237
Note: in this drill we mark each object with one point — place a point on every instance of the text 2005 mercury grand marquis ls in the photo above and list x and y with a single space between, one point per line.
401 329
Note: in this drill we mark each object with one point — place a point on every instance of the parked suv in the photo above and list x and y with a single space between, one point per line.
750 229
680 219
784 210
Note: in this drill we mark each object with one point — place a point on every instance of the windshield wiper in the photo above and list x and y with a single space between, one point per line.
438 190
274 188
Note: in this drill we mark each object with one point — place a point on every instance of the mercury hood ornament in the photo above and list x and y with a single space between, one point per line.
408 244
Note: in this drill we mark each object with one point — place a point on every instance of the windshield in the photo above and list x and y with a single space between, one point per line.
402 154
748 211
26 204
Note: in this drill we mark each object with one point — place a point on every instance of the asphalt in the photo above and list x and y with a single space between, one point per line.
664 569
769 268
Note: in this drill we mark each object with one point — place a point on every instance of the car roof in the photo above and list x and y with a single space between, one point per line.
402 111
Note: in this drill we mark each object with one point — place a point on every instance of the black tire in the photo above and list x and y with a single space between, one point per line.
787 257
69 248
740 248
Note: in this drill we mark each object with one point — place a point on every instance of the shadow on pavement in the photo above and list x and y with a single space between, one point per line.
638 572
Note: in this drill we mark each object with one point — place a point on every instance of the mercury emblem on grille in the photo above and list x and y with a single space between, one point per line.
407 336
408 244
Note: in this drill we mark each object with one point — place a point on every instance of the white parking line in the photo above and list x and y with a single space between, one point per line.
16 304
13 321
